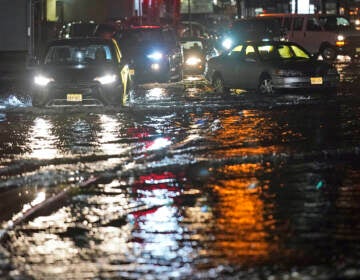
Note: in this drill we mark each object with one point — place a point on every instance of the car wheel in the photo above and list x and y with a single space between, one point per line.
266 85
329 53
218 84
38 101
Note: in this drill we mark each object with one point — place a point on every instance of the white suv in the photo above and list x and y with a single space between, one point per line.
328 35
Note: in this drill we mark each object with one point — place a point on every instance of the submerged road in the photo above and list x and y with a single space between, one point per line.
183 184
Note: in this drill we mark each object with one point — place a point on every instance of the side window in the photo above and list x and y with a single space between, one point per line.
236 51
250 52
284 51
312 24
298 23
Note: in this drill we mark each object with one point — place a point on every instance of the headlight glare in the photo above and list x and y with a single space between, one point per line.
106 79
42 80
193 61
227 43
155 55
340 38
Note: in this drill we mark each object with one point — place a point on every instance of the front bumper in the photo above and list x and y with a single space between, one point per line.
80 94
329 81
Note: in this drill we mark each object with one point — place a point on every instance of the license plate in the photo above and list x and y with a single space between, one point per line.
74 97
132 72
357 49
316 80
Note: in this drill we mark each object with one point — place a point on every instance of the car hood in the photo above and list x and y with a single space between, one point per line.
76 73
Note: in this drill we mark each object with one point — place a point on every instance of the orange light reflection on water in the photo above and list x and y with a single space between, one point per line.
241 223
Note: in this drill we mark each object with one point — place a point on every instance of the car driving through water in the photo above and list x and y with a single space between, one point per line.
268 67
83 71
153 52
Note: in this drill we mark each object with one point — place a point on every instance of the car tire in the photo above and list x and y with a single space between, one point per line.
218 84
38 101
266 85
328 53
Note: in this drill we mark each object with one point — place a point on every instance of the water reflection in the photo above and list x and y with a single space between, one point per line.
42 141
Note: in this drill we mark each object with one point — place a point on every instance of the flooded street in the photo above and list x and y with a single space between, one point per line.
183 184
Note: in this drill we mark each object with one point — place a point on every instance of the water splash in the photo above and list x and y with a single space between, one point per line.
13 101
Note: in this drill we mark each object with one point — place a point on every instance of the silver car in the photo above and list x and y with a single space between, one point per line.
268 67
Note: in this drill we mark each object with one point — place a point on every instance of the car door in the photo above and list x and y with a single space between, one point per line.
248 69
229 65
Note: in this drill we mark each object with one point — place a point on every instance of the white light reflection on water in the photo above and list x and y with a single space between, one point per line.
155 93
42 141
108 135
159 143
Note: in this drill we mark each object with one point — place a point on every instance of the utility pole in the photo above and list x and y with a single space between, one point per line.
238 8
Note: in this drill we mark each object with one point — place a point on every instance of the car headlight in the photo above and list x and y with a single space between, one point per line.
357 22
155 55
340 40
106 79
42 80
193 60
227 43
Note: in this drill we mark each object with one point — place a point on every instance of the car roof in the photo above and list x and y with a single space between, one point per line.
271 42
82 40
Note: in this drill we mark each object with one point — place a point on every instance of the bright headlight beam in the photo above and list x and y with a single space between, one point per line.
42 80
227 43
340 38
106 79
155 55
193 60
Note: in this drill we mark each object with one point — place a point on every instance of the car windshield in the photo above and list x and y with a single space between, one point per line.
192 45
282 52
334 23
68 54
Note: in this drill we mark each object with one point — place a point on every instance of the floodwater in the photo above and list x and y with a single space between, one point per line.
183 184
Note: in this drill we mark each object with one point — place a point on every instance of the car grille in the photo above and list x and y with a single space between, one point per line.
86 89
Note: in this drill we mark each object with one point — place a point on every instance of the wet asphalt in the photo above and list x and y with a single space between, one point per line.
182 184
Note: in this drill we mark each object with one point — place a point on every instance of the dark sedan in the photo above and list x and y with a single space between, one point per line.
268 67
153 52
86 72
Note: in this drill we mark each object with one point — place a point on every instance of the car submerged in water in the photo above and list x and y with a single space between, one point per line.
270 66
153 52
84 72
